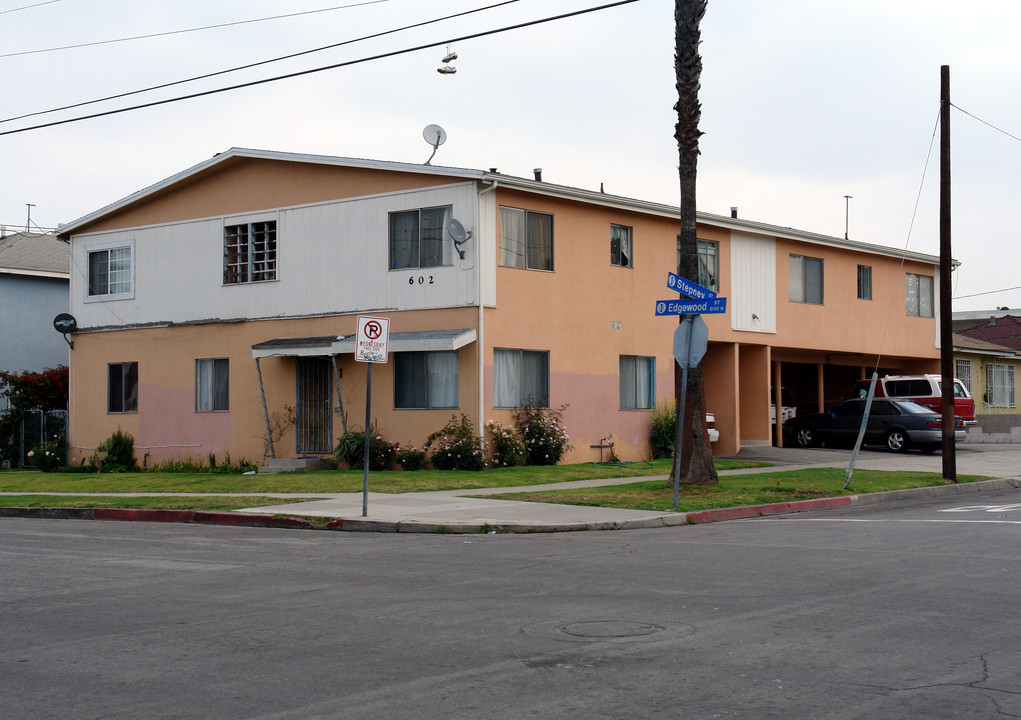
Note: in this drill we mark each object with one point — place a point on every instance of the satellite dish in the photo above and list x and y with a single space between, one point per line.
456 230
435 136
65 323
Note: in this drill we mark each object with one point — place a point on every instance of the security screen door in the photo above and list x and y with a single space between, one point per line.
314 417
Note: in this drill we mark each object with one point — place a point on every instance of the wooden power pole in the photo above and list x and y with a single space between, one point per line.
946 333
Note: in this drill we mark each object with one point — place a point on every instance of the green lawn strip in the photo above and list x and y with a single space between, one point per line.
169 502
331 481
736 490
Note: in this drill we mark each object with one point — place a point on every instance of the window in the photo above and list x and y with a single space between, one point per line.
212 385
864 282
250 252
416 238
111 271
620 246
806 279
962 371
122 387
425 379
1000 385
708 263
520 377
526 239
919 295
637 382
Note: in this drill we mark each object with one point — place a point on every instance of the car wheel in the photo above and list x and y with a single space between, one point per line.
896 441
929 449
804 436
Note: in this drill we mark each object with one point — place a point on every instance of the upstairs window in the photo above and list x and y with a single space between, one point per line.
864 282
111 271
122 387
212 385
708 263
526 239
621 246
250 252
416 238
806 279
918 291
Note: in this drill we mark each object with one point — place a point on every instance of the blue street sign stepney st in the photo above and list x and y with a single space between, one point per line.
686 287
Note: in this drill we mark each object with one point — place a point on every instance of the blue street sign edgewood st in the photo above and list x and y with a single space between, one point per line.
691 307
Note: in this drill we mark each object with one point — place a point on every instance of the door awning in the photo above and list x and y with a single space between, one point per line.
345 344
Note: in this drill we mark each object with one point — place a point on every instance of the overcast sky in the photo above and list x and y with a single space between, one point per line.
803 103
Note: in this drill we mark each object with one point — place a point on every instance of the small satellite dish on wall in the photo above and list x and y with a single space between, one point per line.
435 136
456 230
65 323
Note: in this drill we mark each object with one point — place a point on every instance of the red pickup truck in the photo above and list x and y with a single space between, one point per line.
923 389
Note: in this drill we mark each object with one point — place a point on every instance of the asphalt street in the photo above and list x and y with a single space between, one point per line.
902 610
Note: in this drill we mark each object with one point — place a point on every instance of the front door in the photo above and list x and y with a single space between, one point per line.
314 417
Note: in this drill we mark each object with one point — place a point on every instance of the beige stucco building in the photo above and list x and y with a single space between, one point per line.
230 292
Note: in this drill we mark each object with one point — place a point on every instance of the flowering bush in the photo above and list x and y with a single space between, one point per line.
350 449
457 447
28 391
543 432
410 458
508 449
50 456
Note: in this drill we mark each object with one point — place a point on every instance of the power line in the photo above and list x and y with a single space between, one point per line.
988 292
28 7
348 63
255 64
1015 137
186 30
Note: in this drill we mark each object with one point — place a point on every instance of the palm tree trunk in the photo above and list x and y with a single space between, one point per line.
693 457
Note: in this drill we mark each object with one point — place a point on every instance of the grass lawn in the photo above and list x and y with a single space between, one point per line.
330 481
167 502
734 490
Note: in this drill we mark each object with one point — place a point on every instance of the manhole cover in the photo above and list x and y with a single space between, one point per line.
599 629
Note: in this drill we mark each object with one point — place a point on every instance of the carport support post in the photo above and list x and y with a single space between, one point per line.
365 457
265 410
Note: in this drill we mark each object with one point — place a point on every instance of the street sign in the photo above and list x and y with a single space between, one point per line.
690 340
690 307
371 341
686 287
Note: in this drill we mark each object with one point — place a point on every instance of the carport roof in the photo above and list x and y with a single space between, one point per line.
344 344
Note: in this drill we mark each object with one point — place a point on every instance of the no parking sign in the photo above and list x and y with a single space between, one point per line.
371 341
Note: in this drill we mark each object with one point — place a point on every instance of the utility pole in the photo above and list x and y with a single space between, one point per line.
946 335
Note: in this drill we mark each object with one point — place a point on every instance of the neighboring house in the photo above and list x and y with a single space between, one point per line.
990 370
229 292
33 290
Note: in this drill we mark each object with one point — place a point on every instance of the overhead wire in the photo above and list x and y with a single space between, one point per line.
28 7
186 30
348 63
255 64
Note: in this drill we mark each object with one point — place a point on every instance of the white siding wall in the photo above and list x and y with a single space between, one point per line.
753 282
331 258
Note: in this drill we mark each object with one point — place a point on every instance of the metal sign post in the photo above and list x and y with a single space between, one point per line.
370 347
690 341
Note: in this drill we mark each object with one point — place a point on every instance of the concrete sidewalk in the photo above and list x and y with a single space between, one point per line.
452 511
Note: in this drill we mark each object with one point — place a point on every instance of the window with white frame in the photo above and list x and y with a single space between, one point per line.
520 377
962 371
1001 390
637 382
708 263
250 252
416 238
425 379
122 387
864 282
212 385
918 290
621 253
526 239
111 271
806 279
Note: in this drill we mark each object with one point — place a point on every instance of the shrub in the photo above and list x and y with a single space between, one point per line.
48 457
508 449
410 458
543 433
664 429
457 447
116 454
350 449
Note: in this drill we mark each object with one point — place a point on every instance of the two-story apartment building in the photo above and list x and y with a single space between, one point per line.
229 292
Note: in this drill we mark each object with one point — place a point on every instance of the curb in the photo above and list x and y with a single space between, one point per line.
694 517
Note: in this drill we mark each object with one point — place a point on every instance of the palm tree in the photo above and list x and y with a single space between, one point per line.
693 457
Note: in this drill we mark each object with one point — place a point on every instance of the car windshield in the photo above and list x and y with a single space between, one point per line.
912 408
